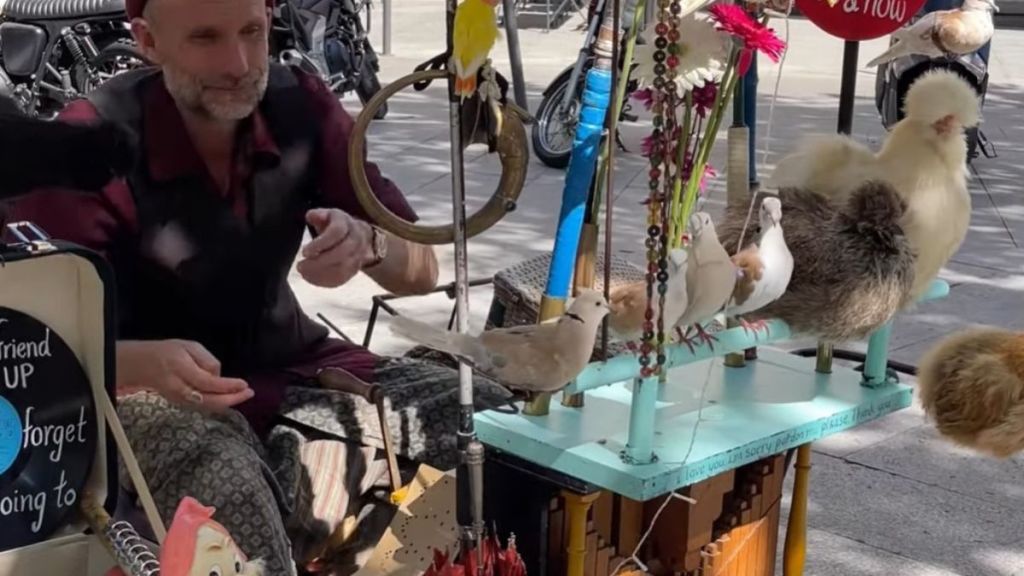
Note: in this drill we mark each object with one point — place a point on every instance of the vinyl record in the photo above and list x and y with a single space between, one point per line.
47 430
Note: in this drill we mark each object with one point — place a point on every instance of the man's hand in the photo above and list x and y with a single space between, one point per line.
181 371
342 247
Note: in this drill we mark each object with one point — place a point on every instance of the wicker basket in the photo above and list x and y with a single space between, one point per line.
518 289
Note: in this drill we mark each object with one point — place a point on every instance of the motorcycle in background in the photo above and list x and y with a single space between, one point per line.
893 79
556 117
53 51
328 39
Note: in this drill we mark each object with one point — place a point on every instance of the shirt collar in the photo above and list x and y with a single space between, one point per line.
169 147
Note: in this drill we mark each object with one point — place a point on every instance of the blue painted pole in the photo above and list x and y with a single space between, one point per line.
575 194
877 357
642 412
580 175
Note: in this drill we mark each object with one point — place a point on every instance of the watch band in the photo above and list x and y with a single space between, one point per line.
380 247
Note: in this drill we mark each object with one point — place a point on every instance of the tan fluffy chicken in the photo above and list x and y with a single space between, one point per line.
972 387
923 158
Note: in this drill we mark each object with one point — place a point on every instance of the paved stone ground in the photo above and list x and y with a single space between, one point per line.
889 498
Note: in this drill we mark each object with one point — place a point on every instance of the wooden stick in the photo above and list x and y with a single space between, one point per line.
134 472
796 533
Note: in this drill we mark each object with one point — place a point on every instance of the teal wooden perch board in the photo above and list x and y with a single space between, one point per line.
636 437
772 404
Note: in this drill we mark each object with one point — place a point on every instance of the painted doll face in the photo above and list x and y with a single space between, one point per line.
217 555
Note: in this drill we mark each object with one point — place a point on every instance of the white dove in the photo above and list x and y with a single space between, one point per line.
958 31
537 357
628 303
766 266
710 278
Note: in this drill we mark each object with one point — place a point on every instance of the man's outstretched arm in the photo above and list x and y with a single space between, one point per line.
408 267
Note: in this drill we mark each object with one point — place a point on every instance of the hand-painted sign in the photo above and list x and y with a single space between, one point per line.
859 19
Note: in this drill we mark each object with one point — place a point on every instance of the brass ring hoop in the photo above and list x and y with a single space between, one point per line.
512 149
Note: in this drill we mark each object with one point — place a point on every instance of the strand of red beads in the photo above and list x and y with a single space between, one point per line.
659 175
671 134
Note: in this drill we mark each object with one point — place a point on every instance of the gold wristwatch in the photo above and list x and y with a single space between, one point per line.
380 247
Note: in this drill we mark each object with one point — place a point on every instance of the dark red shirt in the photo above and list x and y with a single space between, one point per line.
99 221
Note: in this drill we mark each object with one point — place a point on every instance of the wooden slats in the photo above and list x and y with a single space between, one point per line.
731 531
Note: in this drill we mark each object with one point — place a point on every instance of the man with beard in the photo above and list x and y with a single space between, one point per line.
215 358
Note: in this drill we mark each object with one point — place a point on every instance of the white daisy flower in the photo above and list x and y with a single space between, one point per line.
703 53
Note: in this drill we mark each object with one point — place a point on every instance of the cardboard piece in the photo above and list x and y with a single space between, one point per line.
425 521
57 556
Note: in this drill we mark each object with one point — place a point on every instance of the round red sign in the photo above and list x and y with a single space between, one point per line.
859 19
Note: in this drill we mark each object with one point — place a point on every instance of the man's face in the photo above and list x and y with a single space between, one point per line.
213 53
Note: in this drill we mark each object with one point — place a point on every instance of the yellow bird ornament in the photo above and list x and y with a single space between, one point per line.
473 37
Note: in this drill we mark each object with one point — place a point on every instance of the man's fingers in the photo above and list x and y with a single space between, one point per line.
318 218
225 401
185 395
332 229
344 253
330 239
329 276
202 357
181 393
210 384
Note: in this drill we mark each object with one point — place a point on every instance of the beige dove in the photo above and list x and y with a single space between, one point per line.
628 302
538 357
710 276
767 266
958 31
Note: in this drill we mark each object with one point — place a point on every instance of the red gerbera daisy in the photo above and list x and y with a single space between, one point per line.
734 20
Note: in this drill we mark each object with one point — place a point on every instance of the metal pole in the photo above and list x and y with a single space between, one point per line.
387 27
848 87
514 57
465 473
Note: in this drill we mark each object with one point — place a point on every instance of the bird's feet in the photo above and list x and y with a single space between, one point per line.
632 346
705 337
755 327
684 338
701 335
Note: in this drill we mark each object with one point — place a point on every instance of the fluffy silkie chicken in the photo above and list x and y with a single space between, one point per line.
972 388
923 159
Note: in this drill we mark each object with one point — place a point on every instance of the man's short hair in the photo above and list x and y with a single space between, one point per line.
134 8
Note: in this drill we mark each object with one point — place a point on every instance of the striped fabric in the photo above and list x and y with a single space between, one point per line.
327 500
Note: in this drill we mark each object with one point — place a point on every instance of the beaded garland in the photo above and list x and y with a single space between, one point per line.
661 175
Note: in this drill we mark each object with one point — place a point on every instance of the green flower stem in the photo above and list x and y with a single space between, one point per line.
722 98
681 146
615 110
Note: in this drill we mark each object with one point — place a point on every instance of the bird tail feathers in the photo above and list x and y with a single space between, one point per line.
463 347
939 94
816 159
894 52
